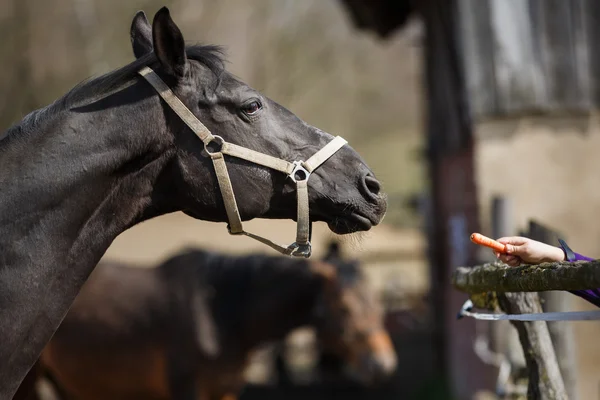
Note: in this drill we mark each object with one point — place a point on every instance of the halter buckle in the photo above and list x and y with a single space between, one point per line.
233 233
298 168
300 250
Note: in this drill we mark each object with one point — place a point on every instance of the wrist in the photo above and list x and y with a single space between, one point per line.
558 254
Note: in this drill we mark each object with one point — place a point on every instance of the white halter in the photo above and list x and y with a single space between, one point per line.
297 171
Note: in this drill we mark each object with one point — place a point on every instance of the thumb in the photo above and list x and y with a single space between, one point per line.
514 244
513 249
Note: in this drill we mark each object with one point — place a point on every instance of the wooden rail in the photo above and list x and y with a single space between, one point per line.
501 284
498 277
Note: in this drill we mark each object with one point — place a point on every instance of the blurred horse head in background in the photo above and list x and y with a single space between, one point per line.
350 320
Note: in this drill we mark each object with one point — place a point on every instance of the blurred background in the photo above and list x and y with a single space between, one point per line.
452 103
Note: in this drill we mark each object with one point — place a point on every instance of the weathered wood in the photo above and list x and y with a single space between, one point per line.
560 333
499 277
591 30
519 86
478 56
455 214
563 339
505 337
545 380
538 55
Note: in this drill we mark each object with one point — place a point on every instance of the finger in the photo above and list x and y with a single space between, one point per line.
514 240
510 260
516 250
514 263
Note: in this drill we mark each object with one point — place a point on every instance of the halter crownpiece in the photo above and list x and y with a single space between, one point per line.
297 171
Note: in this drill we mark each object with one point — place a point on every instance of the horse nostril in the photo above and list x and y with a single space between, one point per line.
372 185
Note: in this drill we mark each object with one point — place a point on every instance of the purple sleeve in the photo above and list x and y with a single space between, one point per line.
591 295
579 257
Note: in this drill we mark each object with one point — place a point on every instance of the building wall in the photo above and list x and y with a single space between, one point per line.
551 170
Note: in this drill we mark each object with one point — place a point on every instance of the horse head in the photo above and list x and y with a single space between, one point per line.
342 191
349 319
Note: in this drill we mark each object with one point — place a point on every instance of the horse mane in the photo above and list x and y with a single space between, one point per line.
254 271
211 56
95 88
237 271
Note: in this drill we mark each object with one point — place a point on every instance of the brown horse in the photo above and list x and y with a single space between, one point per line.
186 329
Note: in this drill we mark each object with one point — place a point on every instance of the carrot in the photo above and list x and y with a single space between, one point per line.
481 240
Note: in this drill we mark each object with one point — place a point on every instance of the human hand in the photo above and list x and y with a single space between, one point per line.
524 250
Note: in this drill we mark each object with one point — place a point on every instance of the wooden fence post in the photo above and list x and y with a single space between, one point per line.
545 381
561 332
505 339
450 148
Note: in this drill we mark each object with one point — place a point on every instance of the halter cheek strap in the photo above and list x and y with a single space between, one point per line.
297 171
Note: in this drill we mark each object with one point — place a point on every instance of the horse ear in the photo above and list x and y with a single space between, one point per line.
169 45
141 35
325 270
334 252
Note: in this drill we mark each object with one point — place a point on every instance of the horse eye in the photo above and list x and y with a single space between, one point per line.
252 107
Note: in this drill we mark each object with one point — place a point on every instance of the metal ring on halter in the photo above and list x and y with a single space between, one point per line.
299 168
303 250
219 140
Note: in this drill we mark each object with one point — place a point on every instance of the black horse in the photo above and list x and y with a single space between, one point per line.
186 329
110 154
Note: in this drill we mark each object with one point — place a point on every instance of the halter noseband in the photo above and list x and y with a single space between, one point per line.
297 171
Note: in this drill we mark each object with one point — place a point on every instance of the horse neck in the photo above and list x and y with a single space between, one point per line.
71 182
279 296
